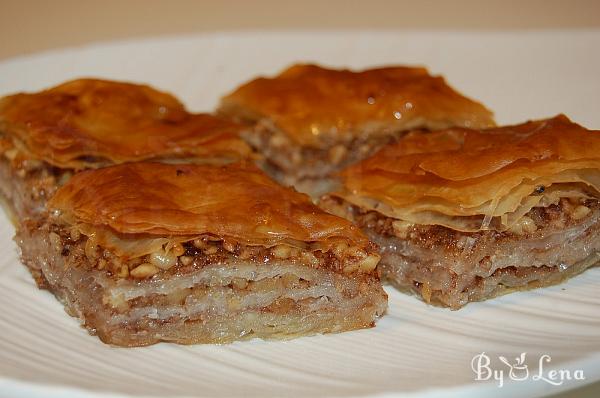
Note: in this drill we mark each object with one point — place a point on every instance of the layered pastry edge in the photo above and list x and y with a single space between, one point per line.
141 288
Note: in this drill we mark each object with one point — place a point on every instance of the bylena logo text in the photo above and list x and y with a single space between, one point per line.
518 370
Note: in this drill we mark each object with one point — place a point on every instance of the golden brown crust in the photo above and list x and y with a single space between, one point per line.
236 201
316 106
459 154
462 172
90 122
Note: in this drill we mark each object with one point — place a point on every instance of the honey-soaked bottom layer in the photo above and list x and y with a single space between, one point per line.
216 303
452 268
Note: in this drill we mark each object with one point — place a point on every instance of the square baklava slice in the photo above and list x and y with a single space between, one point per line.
150 252
47 136
465 215
310 121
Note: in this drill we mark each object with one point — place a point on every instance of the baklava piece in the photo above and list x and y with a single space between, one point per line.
465 215
47 136
149 252
311 121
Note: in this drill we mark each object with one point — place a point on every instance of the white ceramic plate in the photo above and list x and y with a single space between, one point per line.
415 350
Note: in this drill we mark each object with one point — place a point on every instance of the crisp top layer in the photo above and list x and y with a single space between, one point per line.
236 201
315 106
87 122
466 172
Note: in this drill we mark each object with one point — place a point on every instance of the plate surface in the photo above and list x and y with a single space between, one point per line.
415 350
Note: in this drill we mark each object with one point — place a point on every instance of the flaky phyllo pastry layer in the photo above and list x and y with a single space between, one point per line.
88 122
463 215
471 180
47 136
148 252
316 106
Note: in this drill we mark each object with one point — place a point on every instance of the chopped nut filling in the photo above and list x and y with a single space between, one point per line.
203 251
